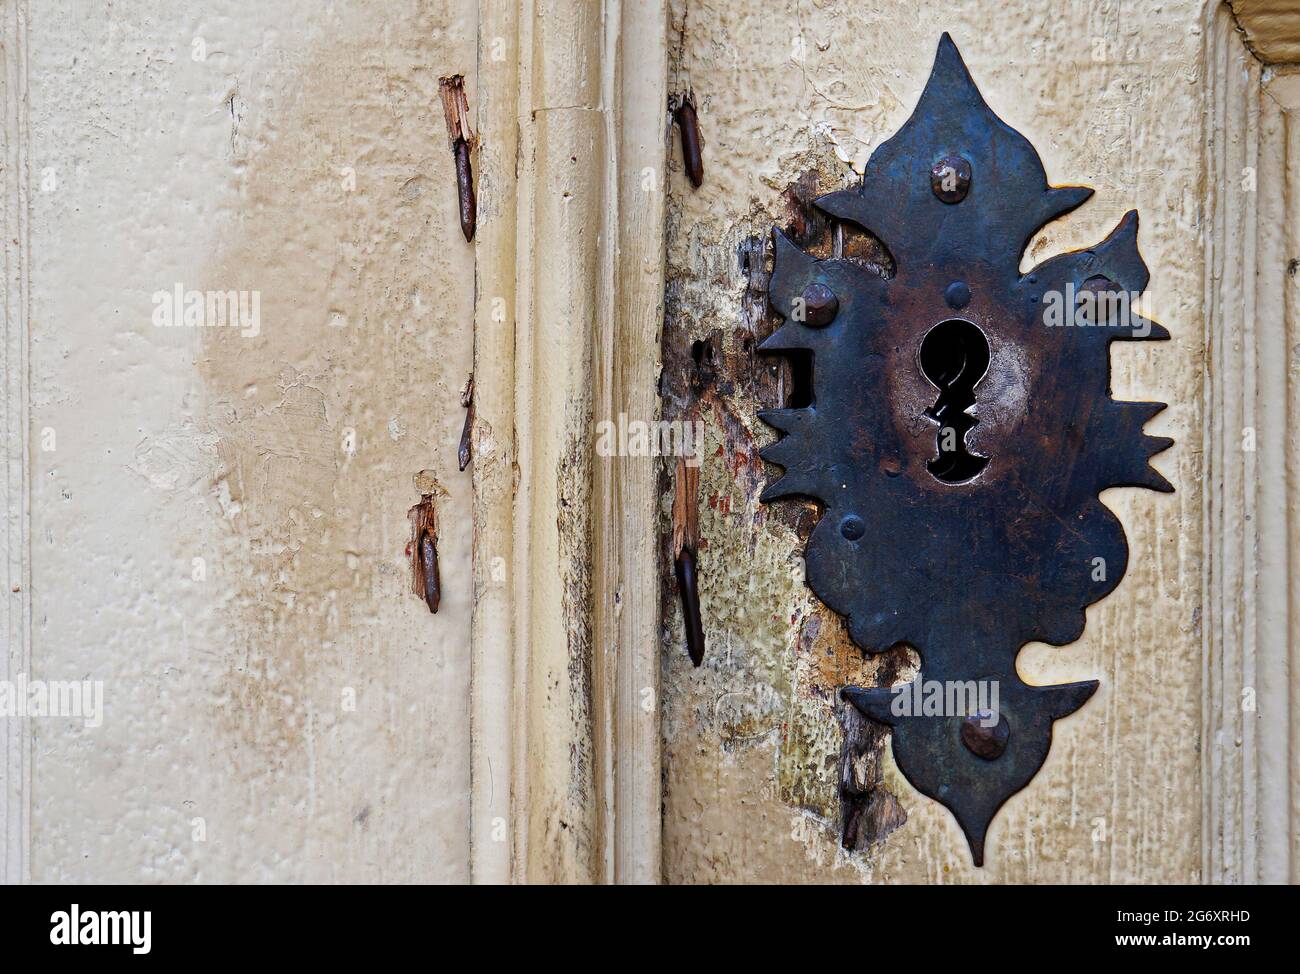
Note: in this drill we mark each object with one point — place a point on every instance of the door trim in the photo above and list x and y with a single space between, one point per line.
572 125
1249 616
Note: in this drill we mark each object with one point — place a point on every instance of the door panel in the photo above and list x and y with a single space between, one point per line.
767 777
218 514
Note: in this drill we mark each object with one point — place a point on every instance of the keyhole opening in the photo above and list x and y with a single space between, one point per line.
954 357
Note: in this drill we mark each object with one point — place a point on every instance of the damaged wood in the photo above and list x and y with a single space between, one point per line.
422 549
717 313
868 810
455 108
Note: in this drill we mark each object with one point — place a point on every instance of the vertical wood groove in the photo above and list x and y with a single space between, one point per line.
15 739
1248 832
585 282
492 712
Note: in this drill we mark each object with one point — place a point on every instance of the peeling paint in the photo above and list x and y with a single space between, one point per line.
766 778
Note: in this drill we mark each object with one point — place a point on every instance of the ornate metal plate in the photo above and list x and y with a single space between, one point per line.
960 432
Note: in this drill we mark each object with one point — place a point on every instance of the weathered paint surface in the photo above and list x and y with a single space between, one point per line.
792 98
285 709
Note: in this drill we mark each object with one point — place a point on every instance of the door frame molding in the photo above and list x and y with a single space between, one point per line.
565 650
1250 622
16 624
572 115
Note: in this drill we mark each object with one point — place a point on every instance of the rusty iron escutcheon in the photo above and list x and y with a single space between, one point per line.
960 431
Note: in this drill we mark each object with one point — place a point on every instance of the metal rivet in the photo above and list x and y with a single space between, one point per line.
1099 282
820 305
852 527
985 742
950 179
957 295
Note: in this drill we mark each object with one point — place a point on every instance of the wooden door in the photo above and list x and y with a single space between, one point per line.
767 776
211 522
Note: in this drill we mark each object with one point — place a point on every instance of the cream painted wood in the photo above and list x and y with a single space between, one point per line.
15 743
1250 618
751 740
575 717
493 704
534 732
1228 737
640 263
284 709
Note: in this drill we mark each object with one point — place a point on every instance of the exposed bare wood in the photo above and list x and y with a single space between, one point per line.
422 549
455 110
686 507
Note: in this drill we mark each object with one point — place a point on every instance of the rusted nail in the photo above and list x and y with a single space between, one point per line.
950 179
686 540
466 400
820 305
456 110
432 580
985 742
689 125
465 190
686 584
423 551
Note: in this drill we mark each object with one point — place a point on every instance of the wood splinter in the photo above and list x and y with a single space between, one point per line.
423 552
455 108
686 541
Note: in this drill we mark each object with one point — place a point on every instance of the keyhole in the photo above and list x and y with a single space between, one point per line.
954 357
